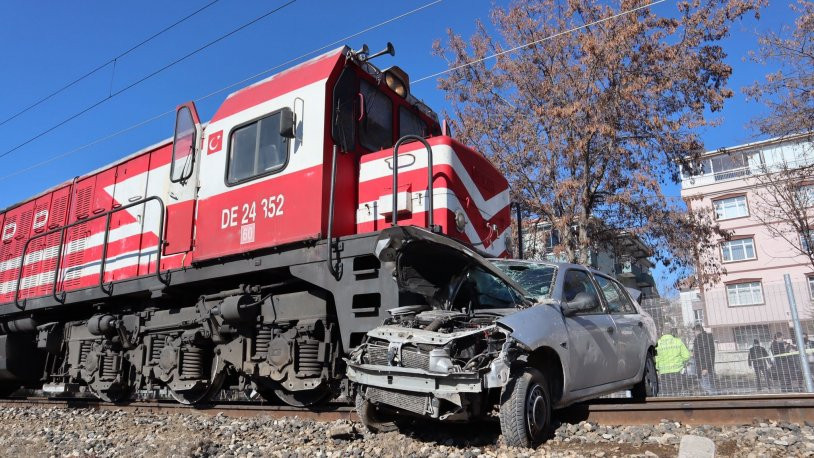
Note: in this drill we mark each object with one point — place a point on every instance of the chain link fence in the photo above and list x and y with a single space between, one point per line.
733 339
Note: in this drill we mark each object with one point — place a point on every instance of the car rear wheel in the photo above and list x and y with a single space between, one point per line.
648 387
525 409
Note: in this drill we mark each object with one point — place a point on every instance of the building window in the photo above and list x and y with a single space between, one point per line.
811 286
805 237
745 335
698 316
805 194
738 250
729 166
750 293
733 207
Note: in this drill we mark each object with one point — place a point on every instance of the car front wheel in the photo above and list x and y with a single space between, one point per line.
648 387
525 409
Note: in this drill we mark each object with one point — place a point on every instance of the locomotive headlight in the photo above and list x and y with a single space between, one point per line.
460 220
397 80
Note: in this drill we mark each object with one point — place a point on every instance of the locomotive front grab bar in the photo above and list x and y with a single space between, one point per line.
394 222
61 245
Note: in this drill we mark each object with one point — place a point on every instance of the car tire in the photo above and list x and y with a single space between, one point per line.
648 386
372 418
525 409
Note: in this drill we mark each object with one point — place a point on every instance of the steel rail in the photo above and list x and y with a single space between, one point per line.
712 410
706 410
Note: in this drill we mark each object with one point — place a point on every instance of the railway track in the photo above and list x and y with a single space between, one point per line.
717 410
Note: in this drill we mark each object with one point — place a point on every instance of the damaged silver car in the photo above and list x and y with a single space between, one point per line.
473 336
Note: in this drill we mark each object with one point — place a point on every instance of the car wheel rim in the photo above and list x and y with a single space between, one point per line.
536 411
650 378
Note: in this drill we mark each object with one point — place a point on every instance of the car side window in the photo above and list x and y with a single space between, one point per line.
579 285
614 295
484 291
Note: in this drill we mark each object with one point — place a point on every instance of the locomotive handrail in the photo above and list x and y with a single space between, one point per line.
331 268
394 215
60 253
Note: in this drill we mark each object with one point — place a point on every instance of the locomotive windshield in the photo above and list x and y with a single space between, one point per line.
363 109
376 119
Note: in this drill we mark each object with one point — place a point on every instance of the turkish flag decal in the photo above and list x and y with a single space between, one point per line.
215 142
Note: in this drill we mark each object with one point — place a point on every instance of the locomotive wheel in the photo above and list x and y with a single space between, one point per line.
8 388
114 395
207 392
302 398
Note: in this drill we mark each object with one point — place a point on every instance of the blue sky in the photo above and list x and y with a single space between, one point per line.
50 43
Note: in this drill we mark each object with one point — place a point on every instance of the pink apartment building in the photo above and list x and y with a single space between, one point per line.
750 301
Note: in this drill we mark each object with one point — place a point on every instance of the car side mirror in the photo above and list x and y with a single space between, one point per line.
581 303
287 123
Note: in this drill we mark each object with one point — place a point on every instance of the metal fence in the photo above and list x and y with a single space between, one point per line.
735 339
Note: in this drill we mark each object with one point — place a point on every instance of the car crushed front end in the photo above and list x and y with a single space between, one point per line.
447 353
435 364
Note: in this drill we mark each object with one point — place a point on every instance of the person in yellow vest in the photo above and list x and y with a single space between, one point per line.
671 356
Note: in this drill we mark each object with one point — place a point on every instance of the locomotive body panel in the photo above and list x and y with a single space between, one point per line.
465 186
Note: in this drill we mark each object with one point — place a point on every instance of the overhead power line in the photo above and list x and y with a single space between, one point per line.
531 43
225 88
107 63
143 79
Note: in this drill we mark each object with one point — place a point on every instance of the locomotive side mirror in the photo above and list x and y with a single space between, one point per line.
288 125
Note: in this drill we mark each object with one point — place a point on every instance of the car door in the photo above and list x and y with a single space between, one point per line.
631 335
591 335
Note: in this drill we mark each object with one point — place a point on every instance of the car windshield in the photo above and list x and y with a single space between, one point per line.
535 278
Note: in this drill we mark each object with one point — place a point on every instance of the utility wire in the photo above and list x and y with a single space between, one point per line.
526 45
107 63
145 78
211 94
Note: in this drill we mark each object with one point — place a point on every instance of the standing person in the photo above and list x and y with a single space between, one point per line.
703 353
671 356
808 348
759 362
779 349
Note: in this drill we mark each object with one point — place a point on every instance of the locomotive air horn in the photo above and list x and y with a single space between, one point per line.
389 50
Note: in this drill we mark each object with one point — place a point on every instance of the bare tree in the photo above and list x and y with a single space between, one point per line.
784 196
588 125
783 191
788 92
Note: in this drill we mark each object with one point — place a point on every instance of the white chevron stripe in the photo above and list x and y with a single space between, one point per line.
442 154
91 268
442 198
91 241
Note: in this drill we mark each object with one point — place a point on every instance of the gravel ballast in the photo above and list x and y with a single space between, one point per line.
34 432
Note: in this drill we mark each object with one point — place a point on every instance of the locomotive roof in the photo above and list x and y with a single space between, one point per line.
316 68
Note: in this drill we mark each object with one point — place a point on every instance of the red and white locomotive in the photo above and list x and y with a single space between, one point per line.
240 250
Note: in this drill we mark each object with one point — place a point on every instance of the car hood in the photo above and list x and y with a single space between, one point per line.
424 262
